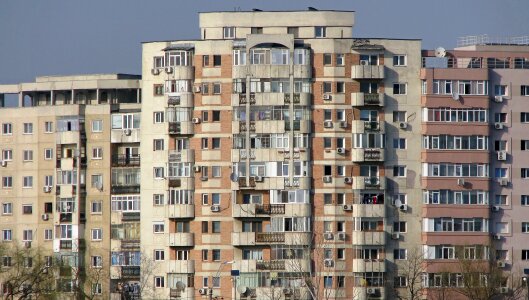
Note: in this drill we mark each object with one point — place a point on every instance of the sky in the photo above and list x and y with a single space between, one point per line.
61 37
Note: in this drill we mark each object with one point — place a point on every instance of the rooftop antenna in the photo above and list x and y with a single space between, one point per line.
440 52
312 8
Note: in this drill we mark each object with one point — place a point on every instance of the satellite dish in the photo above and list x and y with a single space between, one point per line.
242 289
455 95
234 177
99 186
440 52
180 286
398 203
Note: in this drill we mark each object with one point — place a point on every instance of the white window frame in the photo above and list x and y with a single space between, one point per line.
48 153
96 207
228 32
401 60
158 227
96 234
27 182
97 125
28 128
7 208
48 127
158 117
97 153
320 31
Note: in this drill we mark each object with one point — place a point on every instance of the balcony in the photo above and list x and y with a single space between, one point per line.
367 155
181 266
130 244
184 99
125 189
270 237
123 160
186 155
367 72
257 210
371 182
183 127
369 210
243 100
367 99
368 238
130 216
180 72
181 239
65 244
270 265
129 135
181 211
303 126
129 272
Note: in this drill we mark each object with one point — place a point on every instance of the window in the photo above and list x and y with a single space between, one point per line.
340 87
500 90
205 199
320 31
48 234
27 235
205 254
158 172
159 281
327 59
7 182
399 60
327 142
7 235
158 117
400 254
524 145
327 87
215 254
340 59
216 88
97 234
524 91
204 143
97 153
327 115
27 181
97 181
158 227
500 172
229 32
7 208
27 209
399 171
205 60
340 142
215 171
97 125
525 227
524 117
500 117
48 153
327 199
399 116
48 127
97 288
96 261
7 154
205 115
525 172
217 60
500 200
7 128
340 253
501 227
215 143
158 199
28 155
327 282
158 144
500 145
525 254
340 171
399 89
158 89
215 199
399 227
48 207
96 207
294 31
28 128
215 115
215 227
159 255
399 143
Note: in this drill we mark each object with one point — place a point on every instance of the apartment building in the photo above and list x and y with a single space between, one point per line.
58 138
473 161
278 148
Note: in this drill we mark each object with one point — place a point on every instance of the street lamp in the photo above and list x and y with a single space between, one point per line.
229 262
525 280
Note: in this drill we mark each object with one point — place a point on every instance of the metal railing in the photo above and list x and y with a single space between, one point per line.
270 209
270 237
272 265
123 160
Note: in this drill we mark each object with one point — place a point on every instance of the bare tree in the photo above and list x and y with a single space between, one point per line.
411 271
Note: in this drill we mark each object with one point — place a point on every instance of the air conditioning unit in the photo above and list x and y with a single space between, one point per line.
461 182
502 155
215 208
364 62
495 208
46 189
155 71
455 96
327 179
498 99
127 132
403 125
27 244
327 124
343 124
259 178
168 70
196 120
395 236
203 291
504 182
45 217
326 97
287 291
348 180
329 263
341 236
197 169
403 207
328 236
500 264
347 207
498 125
504 290
3 163
496 237
197 89
340 150
371 291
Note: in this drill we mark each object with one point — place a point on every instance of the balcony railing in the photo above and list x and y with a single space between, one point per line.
371 181
371 98
173 100
130 244
175 128
130 272
123 160
272 265
270 209
244 128
297 125
270 237
65 244
372 125
130 216
243 183
297 98
243 99
125 189
372 154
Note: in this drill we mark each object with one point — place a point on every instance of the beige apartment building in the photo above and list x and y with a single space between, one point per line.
278 154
